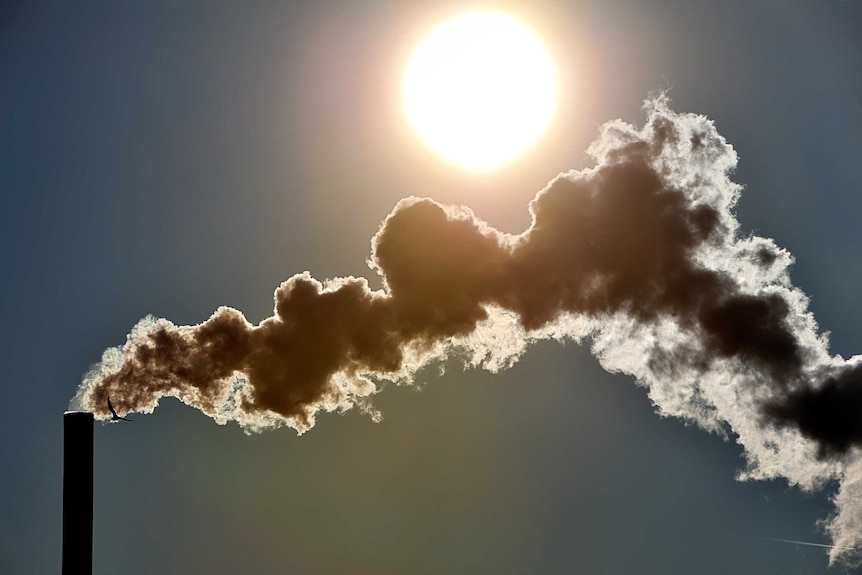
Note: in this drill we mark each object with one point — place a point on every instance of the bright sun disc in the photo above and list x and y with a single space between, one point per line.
480 89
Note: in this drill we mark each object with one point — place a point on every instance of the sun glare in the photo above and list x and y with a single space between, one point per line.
480 89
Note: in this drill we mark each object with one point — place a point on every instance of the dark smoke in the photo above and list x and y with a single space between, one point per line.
830 414
640 255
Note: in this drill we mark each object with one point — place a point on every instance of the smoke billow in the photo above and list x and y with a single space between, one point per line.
640 256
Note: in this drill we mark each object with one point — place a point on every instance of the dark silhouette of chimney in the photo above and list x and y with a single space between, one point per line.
77 493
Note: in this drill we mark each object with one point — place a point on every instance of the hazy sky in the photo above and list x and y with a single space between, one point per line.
172 158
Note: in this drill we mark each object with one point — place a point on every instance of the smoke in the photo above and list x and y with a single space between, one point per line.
639 256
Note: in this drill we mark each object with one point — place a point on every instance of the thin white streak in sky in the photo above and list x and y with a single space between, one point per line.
800 542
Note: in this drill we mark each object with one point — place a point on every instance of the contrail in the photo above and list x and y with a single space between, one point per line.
640 257
808 543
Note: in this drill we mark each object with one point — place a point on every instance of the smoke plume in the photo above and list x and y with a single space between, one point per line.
639 256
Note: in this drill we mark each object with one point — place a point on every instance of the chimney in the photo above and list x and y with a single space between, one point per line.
77 493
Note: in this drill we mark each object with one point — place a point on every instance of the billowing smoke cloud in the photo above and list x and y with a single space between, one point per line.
640 256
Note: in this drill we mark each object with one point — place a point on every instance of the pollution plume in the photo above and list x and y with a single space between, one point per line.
640 257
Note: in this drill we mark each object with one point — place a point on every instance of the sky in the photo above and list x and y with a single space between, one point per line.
170 159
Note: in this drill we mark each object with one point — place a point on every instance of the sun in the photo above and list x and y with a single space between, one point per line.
480 89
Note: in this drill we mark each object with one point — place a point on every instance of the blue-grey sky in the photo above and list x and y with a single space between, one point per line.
168 158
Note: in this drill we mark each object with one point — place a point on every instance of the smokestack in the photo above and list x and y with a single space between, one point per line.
77 493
